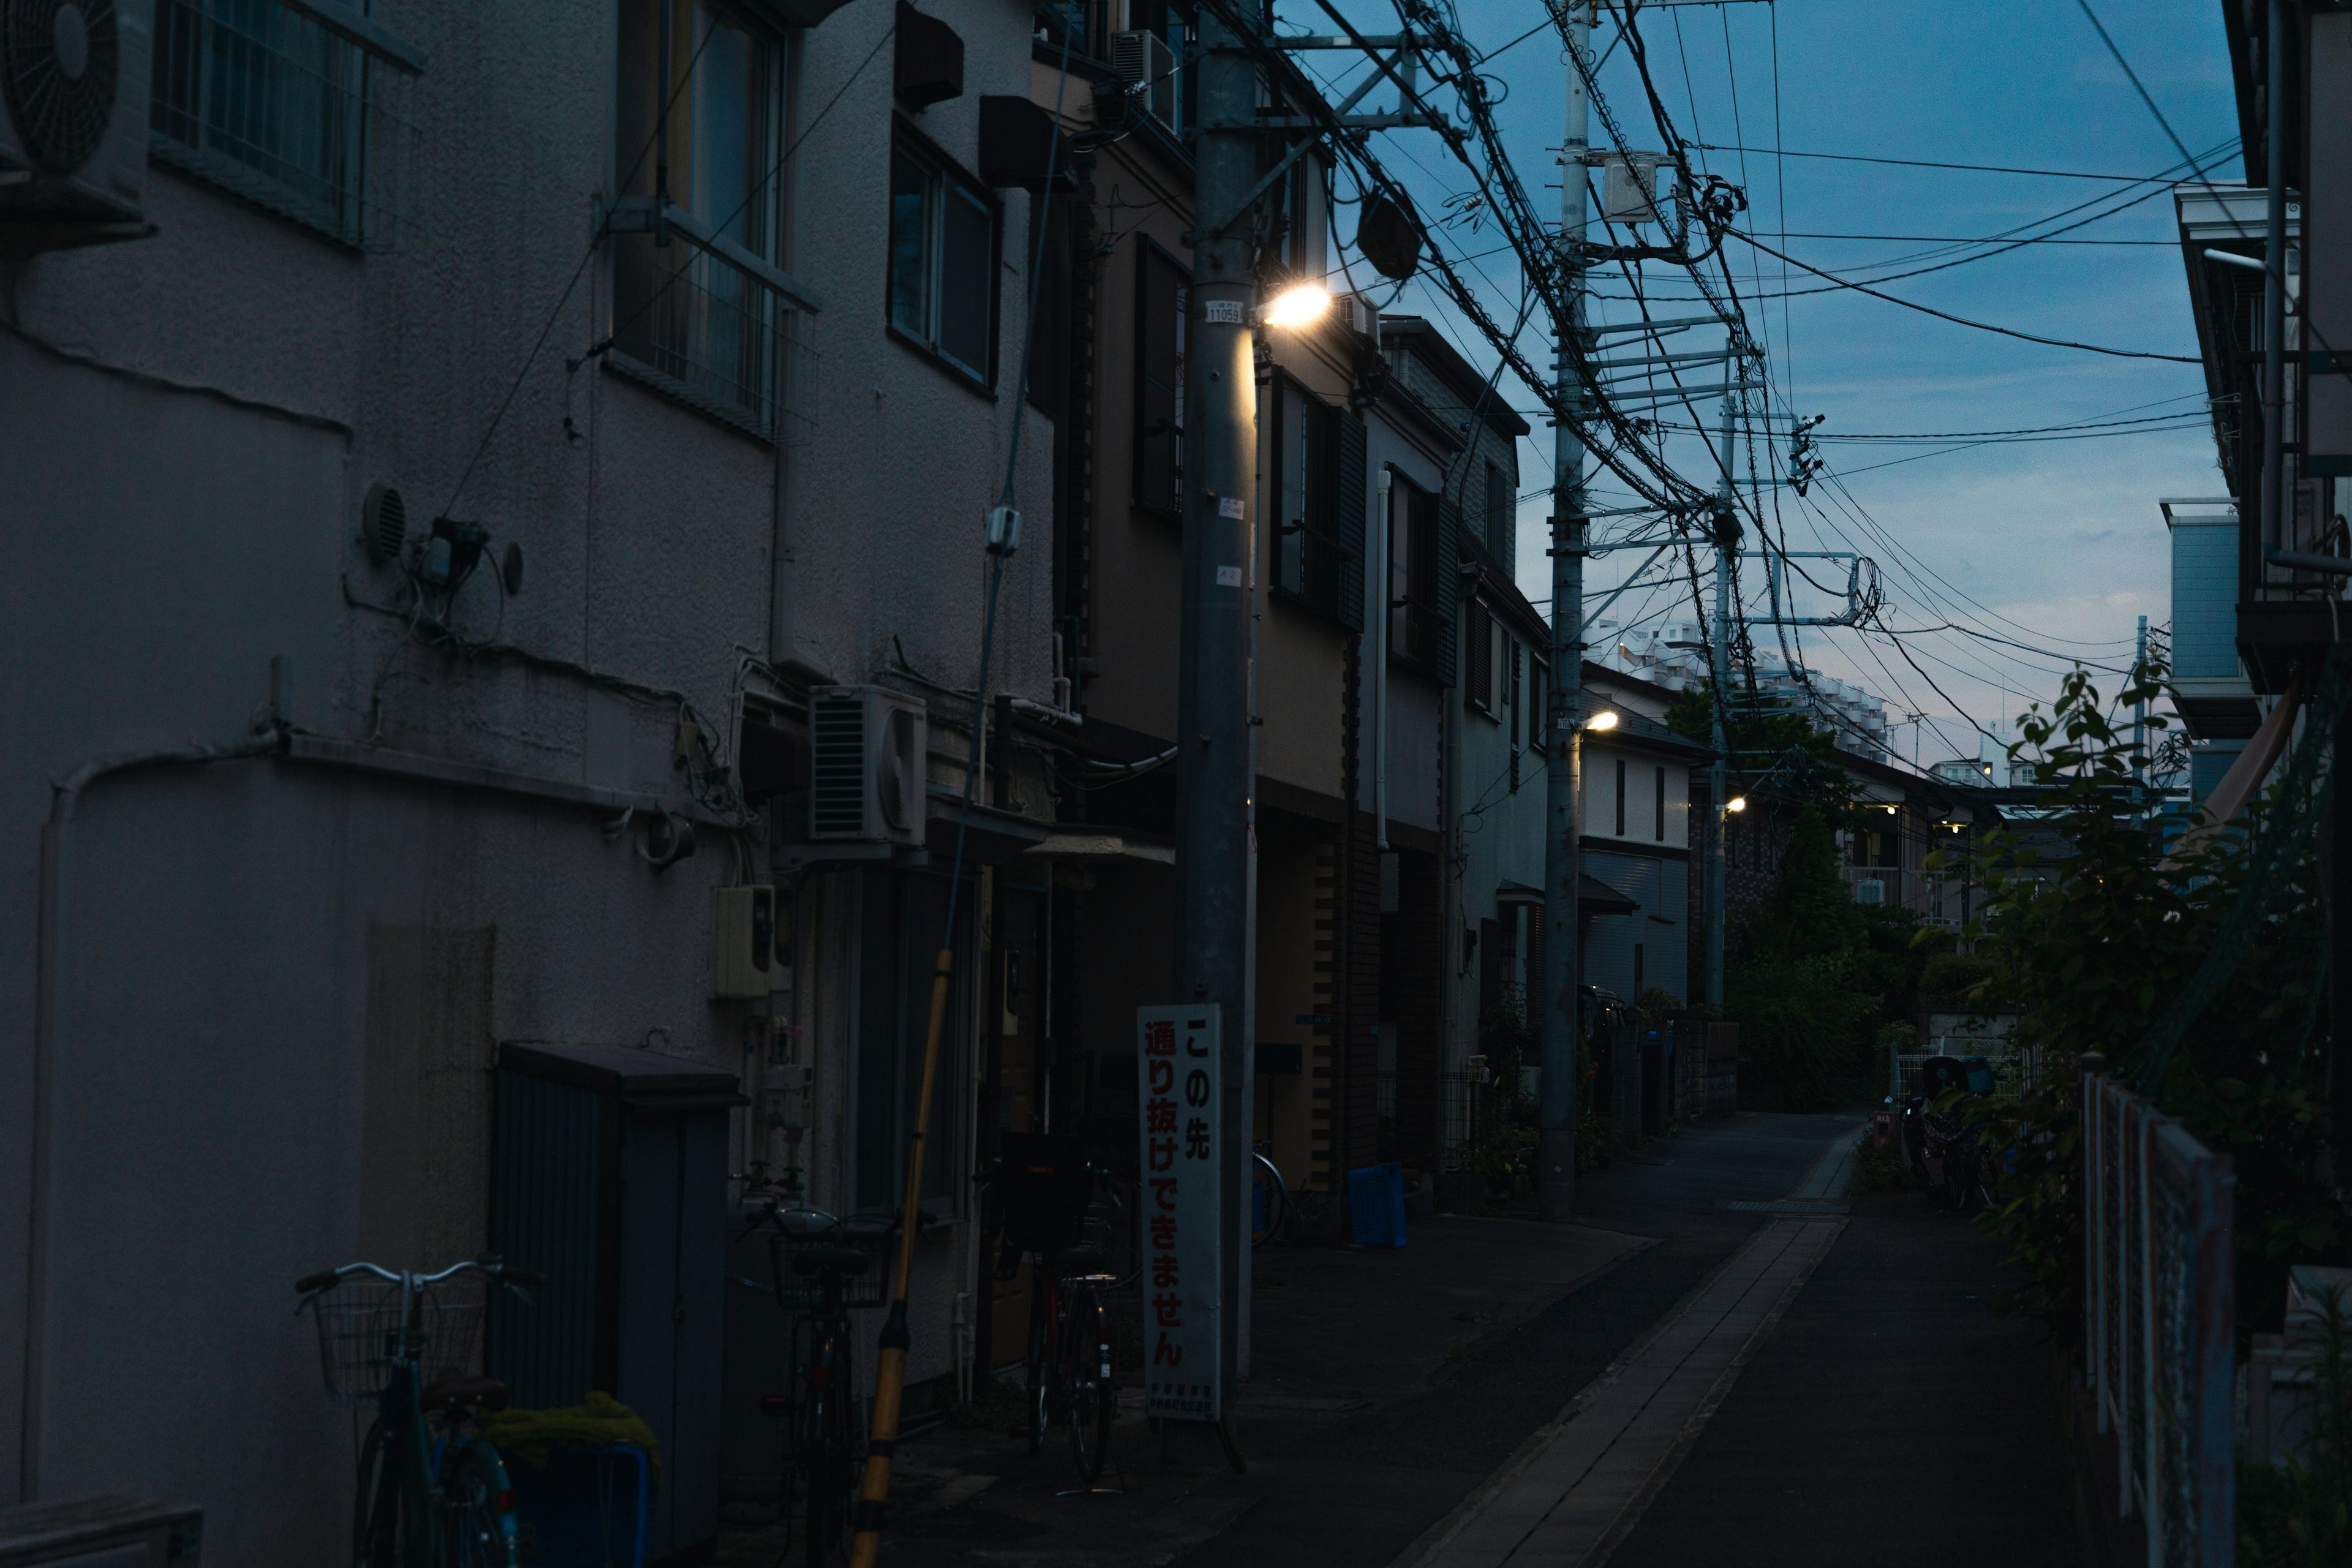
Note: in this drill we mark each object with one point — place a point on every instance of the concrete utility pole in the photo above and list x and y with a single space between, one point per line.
1563 869
1213 779
1718 668
2275 279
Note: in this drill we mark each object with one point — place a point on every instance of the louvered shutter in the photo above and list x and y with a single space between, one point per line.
1446 612
1352 517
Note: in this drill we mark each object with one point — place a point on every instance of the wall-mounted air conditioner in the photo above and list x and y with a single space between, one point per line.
867 771
1147 66
73 89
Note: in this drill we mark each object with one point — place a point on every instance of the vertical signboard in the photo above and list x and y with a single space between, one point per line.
1177 1049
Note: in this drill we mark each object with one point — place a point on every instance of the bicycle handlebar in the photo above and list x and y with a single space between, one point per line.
502 1273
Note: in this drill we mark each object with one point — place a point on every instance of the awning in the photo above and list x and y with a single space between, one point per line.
1595 897
1081 846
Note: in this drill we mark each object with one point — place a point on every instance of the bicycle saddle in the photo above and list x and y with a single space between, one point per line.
1080 1260
455 1390
843 1262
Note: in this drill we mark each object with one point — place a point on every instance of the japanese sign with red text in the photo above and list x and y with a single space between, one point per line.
1177 1082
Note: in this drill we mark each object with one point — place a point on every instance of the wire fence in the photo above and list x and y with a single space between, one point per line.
1468 1105
2159 1319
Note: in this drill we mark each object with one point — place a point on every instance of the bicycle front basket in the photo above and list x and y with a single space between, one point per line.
799 1292
360 1332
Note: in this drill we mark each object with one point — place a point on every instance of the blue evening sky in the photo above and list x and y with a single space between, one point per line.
2036 541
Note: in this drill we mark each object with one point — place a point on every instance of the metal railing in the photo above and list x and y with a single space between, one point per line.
711 334
2013 1073
2160 1320
262 98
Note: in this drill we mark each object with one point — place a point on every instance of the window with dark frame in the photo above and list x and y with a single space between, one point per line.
704 329
1496 530
1621 799
1479 632
1313 537
943 258
1661 834
1162 288
1414 612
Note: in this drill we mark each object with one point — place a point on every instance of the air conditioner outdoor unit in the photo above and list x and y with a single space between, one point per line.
1148 65
74 86
1870 891
867 768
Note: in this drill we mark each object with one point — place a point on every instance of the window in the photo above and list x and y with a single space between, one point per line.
1162 295
1538 717
944 259
1620 830
257 97
1502 506
1422 547
1511 673
1661 834
1480 633
1317 485
684 317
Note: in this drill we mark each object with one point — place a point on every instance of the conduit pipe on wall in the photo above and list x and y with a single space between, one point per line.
54 967
1383 576
52 962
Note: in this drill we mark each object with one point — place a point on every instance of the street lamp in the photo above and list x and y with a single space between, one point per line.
1298 306
1737 803
1604 720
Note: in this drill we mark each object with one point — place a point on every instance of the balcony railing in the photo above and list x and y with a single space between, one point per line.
289 107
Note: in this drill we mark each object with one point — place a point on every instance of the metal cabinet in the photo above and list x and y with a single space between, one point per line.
610 1177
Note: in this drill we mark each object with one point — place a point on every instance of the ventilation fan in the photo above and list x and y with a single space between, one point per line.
64 61
74 90
384 524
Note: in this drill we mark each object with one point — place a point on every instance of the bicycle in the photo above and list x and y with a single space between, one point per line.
1269 1199
1047 1186
825 1268
422 1501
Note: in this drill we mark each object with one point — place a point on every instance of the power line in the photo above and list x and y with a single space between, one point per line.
1962 321
1954 239
1927 163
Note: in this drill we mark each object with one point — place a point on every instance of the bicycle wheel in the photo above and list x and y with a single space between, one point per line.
1087 1399
1269 1199
378 1536
826 1468
1040 1369
478 1530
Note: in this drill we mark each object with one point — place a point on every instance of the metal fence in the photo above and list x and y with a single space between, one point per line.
2160 1320
2012 1074
1467 1105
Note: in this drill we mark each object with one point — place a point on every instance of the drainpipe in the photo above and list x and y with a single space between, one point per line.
1381 675
53 970
2274 275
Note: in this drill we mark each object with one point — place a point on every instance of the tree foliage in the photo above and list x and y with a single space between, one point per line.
2096 945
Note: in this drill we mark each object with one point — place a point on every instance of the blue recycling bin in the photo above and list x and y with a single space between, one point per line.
1376 1205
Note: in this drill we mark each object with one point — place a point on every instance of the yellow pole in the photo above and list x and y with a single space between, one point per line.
890 1378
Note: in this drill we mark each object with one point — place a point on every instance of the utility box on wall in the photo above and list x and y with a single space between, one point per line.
610 1178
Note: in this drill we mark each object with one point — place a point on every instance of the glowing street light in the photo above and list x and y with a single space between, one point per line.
1300 305
1737 803
1604 720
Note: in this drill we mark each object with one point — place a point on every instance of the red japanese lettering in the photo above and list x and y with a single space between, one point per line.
1163 1153
1167 1352
1168 1308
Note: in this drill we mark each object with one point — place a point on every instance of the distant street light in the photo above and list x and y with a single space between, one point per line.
1737 803
1604 720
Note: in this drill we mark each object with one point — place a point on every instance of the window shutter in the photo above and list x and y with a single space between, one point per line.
1444 615
1480 686
1352 516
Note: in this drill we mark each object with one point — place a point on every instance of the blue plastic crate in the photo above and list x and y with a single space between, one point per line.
1376 1205
585 1508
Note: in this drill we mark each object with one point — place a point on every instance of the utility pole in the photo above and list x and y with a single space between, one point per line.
1213 775
1563 973
1727 547
2141 773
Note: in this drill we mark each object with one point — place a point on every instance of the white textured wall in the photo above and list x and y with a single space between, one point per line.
167 542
